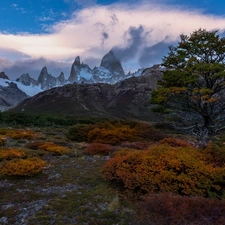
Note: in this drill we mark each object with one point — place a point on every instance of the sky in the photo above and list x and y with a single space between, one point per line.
51 33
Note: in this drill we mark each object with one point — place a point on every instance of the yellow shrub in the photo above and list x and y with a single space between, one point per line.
46 145
53 148
23 167
11 153
58 149
21 134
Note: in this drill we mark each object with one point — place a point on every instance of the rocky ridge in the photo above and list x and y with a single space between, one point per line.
127 98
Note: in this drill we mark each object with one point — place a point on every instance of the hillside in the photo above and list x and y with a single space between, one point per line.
128 98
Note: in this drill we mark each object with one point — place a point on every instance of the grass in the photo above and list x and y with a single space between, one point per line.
70 191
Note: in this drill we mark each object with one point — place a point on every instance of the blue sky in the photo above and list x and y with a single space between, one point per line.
52 33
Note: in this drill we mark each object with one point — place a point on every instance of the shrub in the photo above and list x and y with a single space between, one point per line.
79 132
215 153
112 135
164 209
48 146
148 133
53 148
59 150
23 167
21 134
11 154
34 145
135 145
3 131
98 149
166 169
174 142
2 140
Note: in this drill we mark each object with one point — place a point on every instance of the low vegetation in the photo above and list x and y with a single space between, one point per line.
162 168
23 167
128 172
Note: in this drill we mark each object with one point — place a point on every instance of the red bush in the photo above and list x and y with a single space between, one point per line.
164 209
174 142
98 149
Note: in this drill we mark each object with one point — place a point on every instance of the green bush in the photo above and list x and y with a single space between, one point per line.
79 132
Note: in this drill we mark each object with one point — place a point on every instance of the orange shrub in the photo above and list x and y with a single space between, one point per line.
164 168
11 153
164 209
23 167
46 145
59 150
98 149
174 142
135 145
215 153
112 135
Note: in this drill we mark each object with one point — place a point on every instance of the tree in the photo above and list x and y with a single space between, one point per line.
191 91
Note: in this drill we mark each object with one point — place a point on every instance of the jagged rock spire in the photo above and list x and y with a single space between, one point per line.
111 63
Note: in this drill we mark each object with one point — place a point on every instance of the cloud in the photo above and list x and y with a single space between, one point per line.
153 54
33 66
17 8
135 38
137 30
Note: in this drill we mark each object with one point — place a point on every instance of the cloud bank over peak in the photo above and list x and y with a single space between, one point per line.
139 34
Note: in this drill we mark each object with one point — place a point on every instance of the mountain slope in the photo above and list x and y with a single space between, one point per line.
128 98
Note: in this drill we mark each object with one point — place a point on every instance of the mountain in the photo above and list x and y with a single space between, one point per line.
47 81
10 95
13 92
128 98
26 80
110 71
3 76
80 72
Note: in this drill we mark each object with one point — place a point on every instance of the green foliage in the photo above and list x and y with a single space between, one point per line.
45 120
22 167
162 168
79 132
190 91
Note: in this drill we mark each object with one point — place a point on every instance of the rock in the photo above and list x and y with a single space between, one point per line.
3 76
45 80
80 72
10 96
26 80
112 64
